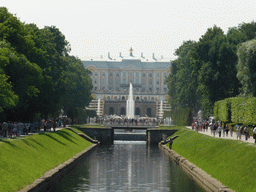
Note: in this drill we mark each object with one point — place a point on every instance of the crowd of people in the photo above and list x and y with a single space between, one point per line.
16 129
224 129
124 121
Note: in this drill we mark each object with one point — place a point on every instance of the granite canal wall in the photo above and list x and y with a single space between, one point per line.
201 177
49 181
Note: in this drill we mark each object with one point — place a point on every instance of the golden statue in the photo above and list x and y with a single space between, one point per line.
131 52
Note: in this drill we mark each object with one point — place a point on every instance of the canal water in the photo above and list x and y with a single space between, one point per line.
128 166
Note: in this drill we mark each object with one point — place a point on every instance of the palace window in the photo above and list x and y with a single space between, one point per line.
111 111
111 74
144 75
157 82
117 74
95 74
143 82
137 111
149 112
150 75
137 74
124 74
123 112
103 74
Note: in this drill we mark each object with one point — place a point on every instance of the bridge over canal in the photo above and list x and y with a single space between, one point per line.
149 133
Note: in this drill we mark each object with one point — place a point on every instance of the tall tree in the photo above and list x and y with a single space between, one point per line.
246 68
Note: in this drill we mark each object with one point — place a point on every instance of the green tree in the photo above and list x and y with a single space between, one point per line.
246 68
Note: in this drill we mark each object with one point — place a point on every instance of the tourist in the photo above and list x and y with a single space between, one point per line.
164 137
246 132
220 128
238 132
231 130
254 134
227 130
5 129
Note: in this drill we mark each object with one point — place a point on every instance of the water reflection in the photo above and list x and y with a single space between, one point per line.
127 166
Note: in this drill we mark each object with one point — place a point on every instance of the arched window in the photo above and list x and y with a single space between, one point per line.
149 112
111 111
123 111
137 111
143 82
150 75
137 98
124 81
123 98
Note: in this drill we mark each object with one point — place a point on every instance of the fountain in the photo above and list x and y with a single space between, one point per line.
161 110
130 103
98 109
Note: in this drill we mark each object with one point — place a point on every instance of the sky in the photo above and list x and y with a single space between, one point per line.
98 27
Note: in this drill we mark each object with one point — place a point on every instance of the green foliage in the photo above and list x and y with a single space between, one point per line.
222 110
39 77
206 72
246 67
180 116
233 159
236 110
24 160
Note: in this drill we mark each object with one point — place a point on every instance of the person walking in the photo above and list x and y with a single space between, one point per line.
219 130
254 134
238 132
246 131
231 130
227 130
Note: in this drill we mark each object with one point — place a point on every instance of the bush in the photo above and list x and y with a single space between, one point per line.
236 110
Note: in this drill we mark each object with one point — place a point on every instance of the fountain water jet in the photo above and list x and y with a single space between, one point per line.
98 108
130 103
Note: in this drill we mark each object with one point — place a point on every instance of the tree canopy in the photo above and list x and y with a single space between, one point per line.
216 67
38 76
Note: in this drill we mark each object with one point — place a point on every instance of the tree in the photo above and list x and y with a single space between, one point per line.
246 68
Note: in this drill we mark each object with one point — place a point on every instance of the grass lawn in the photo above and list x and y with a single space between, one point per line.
231 162
25 159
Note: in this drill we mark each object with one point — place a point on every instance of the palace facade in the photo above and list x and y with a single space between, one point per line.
111 78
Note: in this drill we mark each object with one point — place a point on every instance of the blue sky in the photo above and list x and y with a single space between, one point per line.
96 27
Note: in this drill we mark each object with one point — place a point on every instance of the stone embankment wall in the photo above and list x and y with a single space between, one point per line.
200 176
49 181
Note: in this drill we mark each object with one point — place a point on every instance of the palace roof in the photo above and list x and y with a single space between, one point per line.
127 63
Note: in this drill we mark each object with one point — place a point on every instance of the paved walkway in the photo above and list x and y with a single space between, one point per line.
37 132
250 140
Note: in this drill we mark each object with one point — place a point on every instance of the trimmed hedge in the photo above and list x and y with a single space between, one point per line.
236 110
180 117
